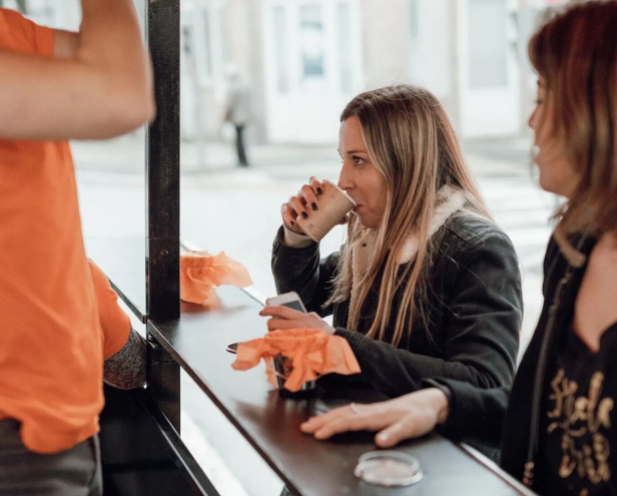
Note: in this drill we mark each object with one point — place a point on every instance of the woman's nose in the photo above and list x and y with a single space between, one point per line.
344 180
531 122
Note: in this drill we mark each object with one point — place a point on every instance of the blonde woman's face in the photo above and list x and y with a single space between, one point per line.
359 177
556 174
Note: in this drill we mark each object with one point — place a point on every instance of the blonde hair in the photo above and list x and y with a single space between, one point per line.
410 140
575 51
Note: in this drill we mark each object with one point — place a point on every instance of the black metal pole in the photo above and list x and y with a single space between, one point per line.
163 202
163 164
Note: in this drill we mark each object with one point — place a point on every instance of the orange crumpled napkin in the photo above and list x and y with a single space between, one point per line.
313 352
201 272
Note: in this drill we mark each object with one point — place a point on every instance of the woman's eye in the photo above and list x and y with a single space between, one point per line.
357 160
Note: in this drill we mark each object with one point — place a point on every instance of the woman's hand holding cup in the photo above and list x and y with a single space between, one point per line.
302 205
316 209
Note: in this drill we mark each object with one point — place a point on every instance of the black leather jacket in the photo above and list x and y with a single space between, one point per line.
474 302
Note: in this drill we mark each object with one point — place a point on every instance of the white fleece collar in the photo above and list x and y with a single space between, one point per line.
449 201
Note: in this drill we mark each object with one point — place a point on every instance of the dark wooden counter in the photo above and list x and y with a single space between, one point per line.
310 468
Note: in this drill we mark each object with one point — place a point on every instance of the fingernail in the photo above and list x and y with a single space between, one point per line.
305 215
319 191
293 223
314 205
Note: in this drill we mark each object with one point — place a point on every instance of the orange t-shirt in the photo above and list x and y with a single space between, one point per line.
116 324
51 357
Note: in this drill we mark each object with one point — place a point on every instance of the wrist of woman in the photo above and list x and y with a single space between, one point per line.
442 405
294 239
441 397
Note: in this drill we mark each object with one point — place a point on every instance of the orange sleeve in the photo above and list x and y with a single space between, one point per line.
115 322
25 35
44 40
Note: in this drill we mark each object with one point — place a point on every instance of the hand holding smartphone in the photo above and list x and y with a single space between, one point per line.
291 300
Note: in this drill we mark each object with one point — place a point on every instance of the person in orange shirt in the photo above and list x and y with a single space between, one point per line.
56 86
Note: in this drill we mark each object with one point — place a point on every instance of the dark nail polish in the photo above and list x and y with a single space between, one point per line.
305 215
293 223
319 191
314 205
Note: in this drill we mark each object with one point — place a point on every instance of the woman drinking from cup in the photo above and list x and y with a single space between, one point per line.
559 427
426 285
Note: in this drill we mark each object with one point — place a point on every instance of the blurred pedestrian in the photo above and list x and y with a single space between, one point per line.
238 109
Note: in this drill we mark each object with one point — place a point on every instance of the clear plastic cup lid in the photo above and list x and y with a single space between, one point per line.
388 469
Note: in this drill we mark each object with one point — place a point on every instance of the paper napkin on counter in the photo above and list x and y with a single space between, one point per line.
313 353
202 272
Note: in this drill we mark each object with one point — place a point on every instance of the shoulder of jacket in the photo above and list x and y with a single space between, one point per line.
469 230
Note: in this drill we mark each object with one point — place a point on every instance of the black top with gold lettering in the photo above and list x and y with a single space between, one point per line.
578 418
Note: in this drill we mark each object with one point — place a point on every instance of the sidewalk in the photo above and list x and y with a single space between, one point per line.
127 155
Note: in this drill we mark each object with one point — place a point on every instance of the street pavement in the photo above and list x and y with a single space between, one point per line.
225 207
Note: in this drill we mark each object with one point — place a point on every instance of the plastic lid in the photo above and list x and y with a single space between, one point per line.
388 469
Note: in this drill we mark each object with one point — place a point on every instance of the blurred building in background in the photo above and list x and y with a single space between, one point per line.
305 59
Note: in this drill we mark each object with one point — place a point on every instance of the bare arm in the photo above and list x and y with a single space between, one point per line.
66 44
127 368
98 86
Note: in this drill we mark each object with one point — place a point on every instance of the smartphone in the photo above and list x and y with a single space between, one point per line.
291 300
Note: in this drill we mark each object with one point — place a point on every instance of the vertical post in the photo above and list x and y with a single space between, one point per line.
163 200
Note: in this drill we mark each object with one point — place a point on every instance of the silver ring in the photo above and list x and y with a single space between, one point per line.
354 408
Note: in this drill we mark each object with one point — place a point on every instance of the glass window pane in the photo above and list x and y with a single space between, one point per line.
487 43
312 41
413 19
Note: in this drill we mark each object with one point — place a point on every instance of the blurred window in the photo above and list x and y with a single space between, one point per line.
487 44
312 39
413 19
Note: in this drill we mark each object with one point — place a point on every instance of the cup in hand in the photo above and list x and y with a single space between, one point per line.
334 204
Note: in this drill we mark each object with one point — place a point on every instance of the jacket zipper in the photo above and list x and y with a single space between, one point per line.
539 384
534 440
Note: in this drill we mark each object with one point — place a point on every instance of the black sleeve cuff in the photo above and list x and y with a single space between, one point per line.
431 383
